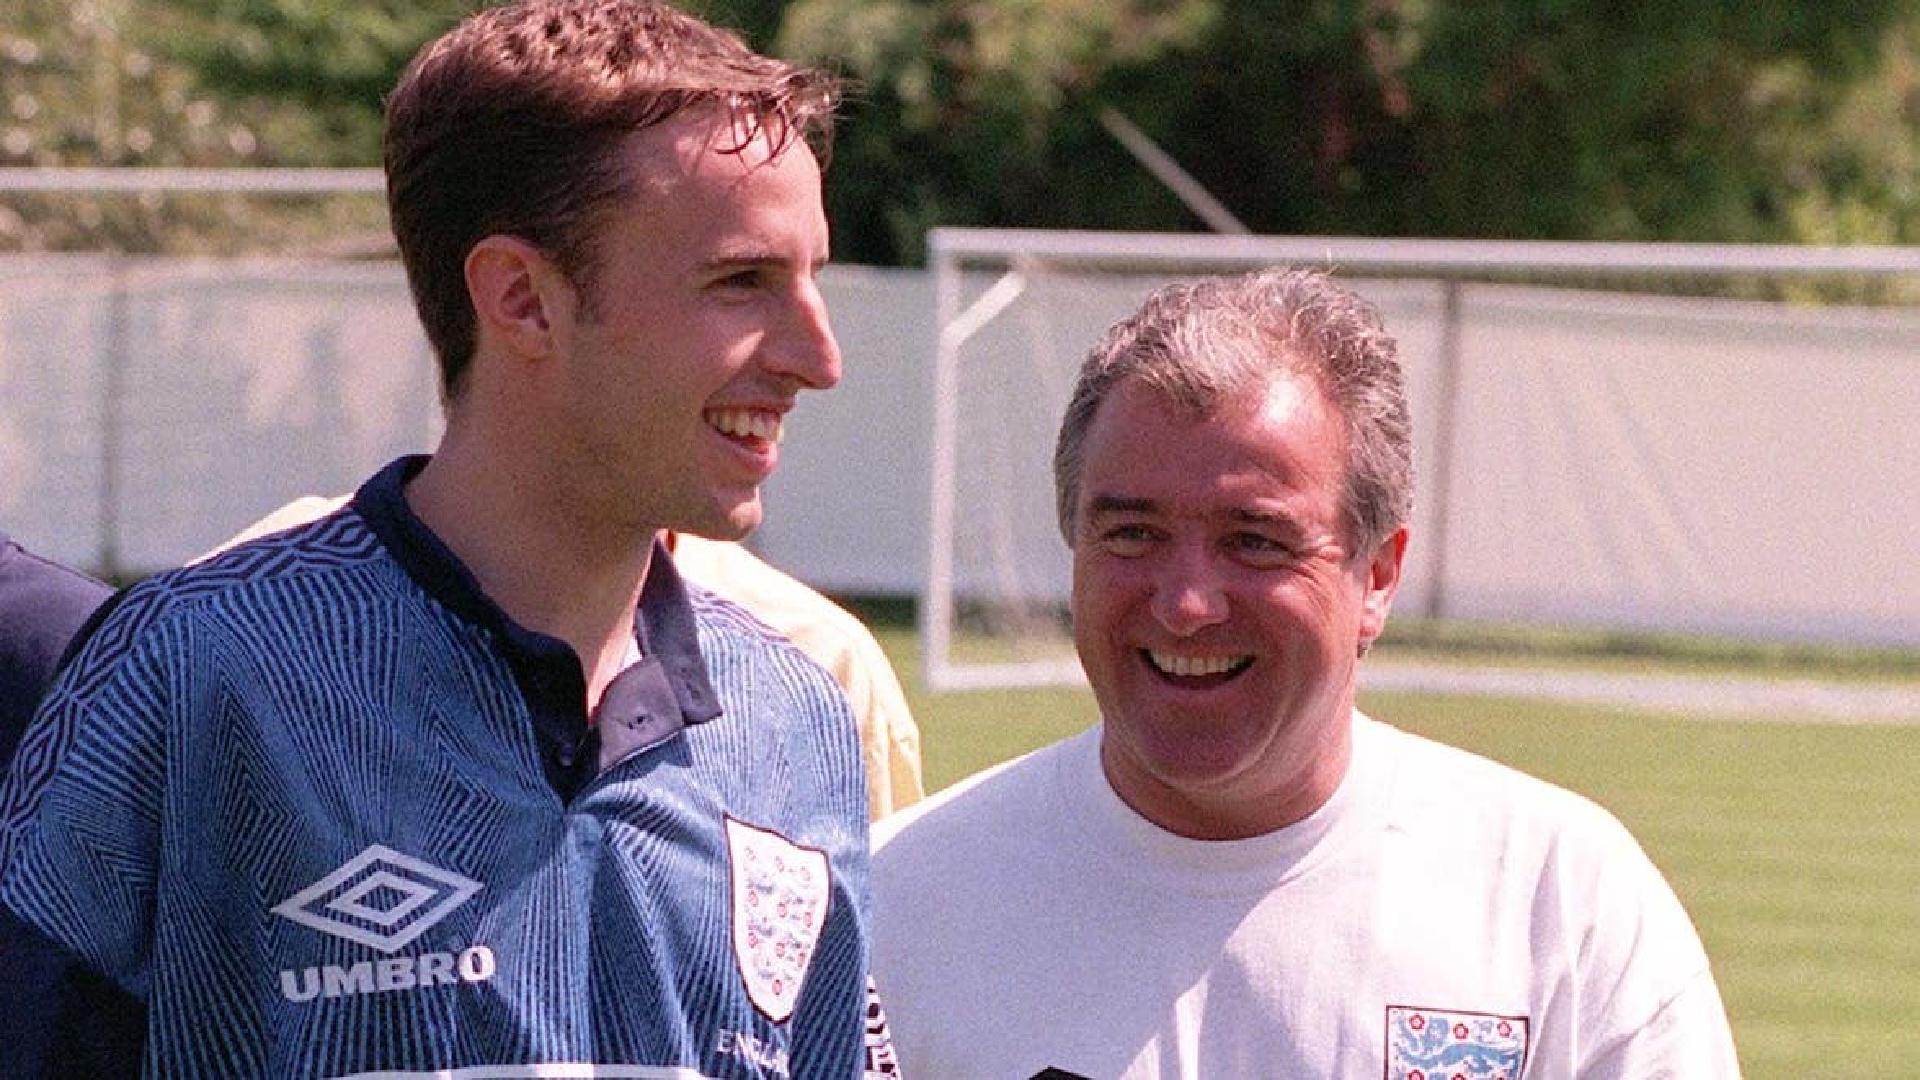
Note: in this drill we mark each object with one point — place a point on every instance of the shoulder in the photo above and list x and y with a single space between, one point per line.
821 628
42 603
261 585
980 816
760 669
1482 812
37 589
732 626
1433 778
1586 882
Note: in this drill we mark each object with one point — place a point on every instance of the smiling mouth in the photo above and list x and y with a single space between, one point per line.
747 424
1195 670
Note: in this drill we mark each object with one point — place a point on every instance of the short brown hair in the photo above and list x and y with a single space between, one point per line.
1200 342
513 121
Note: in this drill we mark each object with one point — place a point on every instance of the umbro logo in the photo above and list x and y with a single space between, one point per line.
384 900
379 898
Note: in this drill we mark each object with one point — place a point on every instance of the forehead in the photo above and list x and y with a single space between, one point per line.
694 183
705 149
1278 440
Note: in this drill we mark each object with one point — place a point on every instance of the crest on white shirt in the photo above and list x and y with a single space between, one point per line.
1448 1044
779 905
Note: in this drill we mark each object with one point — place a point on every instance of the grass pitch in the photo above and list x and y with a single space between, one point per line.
1796 846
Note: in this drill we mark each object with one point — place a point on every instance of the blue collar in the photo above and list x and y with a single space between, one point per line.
667 690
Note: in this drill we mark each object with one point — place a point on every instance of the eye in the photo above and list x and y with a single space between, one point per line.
747 278
1258 547
1128 541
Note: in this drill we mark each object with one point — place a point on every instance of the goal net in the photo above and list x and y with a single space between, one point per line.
1604 432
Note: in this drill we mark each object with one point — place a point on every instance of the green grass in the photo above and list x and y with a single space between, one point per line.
1795 846
1461 641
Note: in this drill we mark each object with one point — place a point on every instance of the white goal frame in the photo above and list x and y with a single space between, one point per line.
1019 252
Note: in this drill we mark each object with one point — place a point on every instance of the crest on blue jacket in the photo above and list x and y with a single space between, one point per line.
1448 1044
780 891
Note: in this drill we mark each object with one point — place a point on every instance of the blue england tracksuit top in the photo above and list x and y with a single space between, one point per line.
325 810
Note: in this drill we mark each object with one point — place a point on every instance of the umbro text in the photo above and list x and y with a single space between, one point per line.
471 965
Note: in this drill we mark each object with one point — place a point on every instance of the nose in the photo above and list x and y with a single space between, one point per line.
1189 595
805 348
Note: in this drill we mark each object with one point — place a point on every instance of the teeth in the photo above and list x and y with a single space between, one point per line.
746 423
1174 664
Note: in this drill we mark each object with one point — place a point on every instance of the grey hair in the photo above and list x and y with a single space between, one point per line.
1199 342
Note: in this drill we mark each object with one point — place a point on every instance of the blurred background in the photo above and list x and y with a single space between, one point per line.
1699 120
1664 550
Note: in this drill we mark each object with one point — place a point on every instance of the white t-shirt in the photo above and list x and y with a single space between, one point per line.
1441 916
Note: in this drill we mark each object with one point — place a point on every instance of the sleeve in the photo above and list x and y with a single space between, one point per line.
889 738
1649 1002
79 832
1687 1038
80 811
59 1018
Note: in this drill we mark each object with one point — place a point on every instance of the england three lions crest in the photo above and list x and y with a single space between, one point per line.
1447 1044
780 894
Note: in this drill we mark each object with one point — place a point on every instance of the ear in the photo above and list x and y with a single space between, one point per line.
1382 581
523 306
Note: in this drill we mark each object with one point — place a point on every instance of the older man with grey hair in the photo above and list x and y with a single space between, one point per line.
1236 874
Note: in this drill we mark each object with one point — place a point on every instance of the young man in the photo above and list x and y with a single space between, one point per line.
463 779
1236 873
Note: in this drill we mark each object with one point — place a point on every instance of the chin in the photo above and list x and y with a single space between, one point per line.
1188 760
726 523
1197 768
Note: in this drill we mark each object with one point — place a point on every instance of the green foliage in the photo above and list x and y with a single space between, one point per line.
1572 119
79 90
1708 120
121 83
982 113
328 65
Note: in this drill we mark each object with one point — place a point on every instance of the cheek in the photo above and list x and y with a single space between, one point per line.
1320 619
1102 587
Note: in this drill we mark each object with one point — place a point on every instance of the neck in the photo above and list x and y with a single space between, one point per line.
1266 798
533 551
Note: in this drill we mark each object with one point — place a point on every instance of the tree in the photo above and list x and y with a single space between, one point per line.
215 82
114 83
1713 120
326 65
1567 119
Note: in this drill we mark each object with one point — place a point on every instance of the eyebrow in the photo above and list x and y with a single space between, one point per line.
742 259
747 258
1270 518
1100 505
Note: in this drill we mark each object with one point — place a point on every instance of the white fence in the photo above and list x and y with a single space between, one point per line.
1609 460
151 408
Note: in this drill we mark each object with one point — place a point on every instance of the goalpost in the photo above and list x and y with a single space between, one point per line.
1478 323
